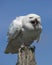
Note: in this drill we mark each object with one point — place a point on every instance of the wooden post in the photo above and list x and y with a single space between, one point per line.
26 56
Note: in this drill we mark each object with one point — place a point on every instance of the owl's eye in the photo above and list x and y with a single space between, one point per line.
35 22
32 22
30 17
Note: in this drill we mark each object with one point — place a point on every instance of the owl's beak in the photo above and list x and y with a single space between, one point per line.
39 28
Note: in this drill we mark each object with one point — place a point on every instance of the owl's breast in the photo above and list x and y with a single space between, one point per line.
29 36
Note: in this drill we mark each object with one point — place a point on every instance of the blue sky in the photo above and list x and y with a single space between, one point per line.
9 10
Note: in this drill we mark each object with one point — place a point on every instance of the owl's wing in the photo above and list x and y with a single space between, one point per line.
14 35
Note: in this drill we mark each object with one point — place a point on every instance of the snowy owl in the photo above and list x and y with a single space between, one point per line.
23 30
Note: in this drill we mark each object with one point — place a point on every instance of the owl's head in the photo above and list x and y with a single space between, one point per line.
32 22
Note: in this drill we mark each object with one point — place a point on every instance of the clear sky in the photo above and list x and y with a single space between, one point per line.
9 10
